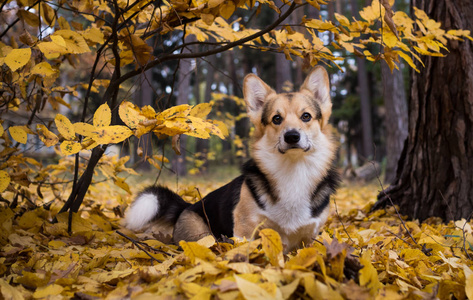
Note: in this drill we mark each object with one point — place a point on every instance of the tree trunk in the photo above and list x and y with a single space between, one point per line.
435 172
365 101
144 96
396 118
183 91
202 145
283 68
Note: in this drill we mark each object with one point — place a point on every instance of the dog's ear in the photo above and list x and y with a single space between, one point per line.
318 84
255 92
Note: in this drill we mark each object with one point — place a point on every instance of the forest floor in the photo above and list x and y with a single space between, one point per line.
359 255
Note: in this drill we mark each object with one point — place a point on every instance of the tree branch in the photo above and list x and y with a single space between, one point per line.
168 57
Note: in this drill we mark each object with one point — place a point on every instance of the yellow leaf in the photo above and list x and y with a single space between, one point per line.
130 116
408 59
47 291
111 134
207 241
342 19
70 147
84 129
43 69
288 289
18 133
468 281
120 182
201 110
64 126
46 136
227 9
252 291
305 258
154 163
63 24
17 58
29 17
368 274
148 112
161 158
207 18
94 35
9 292
75 43
102 116
1 130
4 180
214 3
54 49
272 246
175 111
54 244
389 38
193 250
48 14
217 128
196 291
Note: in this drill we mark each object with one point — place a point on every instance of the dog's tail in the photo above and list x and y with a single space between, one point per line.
154 204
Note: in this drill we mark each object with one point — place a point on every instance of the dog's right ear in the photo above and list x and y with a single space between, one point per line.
255 92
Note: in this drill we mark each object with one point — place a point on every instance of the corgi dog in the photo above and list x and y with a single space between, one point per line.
285 186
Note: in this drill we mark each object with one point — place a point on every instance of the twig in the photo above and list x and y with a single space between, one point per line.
343 225
155 249
464 237
424 249
208 221
126 260
137 244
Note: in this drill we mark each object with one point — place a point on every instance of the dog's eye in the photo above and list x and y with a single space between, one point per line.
306 117
277 119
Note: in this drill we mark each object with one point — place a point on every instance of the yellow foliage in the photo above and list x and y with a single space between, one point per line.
64 126
94 260
17 58
18 133
4 180
102 116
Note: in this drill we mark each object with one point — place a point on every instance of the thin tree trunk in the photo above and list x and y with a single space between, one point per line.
202 145
396 118
144 96
183 91
283 67
435 172
365 101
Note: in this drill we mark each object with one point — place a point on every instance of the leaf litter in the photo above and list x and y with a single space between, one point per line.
359 255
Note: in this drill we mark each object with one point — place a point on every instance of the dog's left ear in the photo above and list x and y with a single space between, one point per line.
318 84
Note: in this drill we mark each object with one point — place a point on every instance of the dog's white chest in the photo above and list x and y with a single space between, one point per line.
294 187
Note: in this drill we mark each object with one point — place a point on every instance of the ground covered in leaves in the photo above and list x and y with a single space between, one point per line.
359 255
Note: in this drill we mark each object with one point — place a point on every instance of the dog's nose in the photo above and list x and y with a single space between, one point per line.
292 137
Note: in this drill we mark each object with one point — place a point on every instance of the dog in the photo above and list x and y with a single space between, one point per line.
285 186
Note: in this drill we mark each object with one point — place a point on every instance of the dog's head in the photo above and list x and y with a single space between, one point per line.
289 123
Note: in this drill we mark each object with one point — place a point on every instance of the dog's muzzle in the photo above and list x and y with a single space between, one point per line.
292 140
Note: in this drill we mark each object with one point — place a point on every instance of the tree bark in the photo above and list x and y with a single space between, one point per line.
365 100
183 91
396 118
143 97
435 172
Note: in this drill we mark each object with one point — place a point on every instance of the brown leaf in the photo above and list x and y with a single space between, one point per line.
176 144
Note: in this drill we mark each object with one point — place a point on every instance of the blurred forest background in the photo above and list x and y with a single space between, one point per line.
369 102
